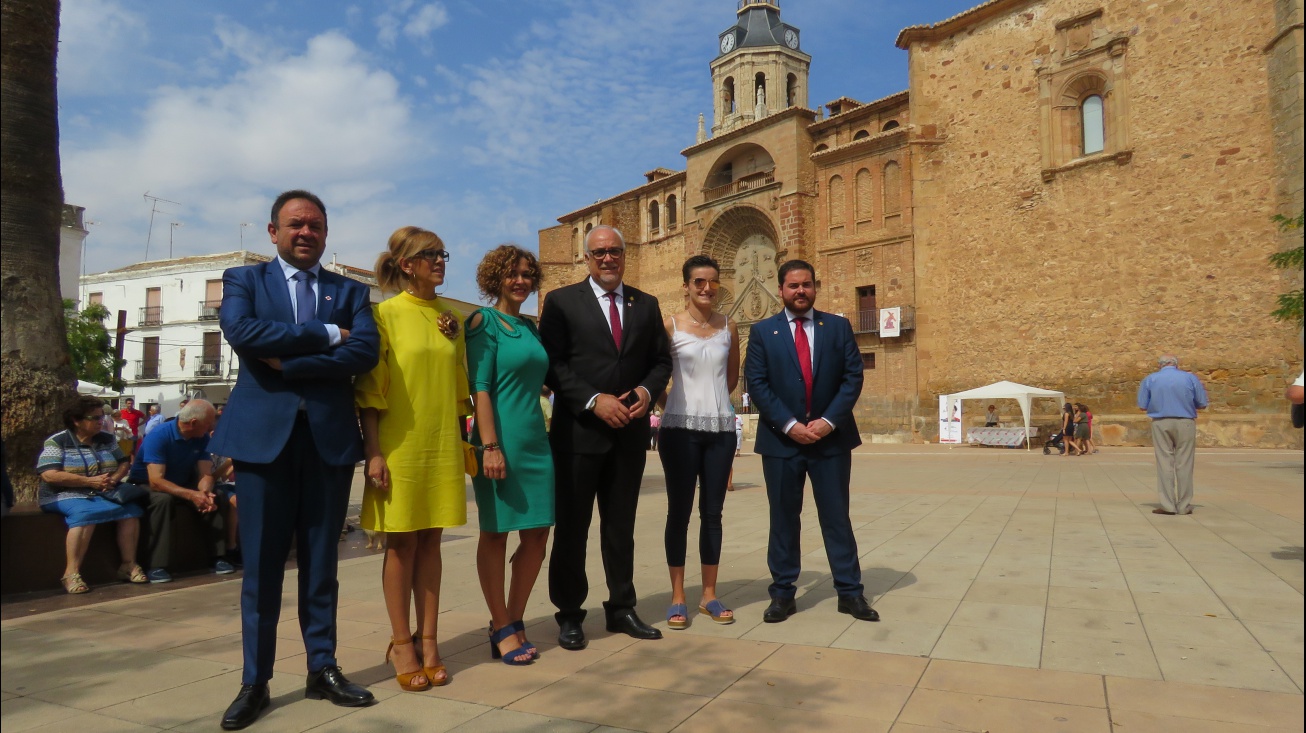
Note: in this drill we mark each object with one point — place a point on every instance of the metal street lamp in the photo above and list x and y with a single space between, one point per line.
172 229
243 224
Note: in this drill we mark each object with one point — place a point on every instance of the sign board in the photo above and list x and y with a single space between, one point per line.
890 322
949 424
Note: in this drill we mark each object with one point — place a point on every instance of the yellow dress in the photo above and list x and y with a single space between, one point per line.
420 387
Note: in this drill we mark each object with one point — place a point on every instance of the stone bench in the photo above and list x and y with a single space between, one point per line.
32 549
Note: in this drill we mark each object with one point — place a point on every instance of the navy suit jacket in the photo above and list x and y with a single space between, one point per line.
775 384
258 322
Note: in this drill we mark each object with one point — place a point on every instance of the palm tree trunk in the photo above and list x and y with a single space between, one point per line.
35 377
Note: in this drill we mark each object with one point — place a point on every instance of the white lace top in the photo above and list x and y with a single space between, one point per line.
698 399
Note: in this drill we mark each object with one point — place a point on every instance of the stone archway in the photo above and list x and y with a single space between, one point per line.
742 239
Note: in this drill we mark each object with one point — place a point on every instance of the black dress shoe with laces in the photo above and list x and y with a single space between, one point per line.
329 683
779 610
245 709
571 636
626 622
858 608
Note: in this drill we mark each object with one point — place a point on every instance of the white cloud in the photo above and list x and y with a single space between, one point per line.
97 39
425 20
417 25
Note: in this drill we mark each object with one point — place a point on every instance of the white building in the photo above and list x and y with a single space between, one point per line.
173 346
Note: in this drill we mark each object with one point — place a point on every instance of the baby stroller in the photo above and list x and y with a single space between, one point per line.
1055 440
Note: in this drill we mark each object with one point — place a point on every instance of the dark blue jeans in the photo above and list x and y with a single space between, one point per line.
692 457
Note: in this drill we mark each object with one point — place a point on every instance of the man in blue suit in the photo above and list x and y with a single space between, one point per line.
804 375
302 334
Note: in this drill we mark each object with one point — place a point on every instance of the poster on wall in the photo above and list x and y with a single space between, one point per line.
890 322
949 421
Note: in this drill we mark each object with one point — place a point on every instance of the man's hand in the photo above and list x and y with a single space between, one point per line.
610 410
819 428
203 501
344 335
803 435
640 408
272 361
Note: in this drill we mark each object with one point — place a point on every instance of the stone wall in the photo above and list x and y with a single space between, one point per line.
1076 281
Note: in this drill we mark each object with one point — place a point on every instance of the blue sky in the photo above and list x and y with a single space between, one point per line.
480 120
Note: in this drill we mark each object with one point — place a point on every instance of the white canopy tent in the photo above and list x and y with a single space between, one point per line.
1021 393
95 390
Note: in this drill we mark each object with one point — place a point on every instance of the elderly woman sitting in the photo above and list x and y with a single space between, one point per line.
77 466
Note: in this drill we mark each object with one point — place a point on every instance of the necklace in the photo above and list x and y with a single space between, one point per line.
704 324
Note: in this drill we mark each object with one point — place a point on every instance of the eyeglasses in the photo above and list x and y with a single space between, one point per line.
96 418
699 283
432 255
615 253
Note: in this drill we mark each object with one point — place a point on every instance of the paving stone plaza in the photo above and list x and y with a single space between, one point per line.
1019 592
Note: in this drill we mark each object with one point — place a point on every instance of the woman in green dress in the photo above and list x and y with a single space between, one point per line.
514 491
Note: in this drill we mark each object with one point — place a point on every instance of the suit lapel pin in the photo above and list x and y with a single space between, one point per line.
775 333
820 323
328 297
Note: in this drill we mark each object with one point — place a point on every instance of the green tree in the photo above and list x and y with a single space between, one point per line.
89 345
1290 303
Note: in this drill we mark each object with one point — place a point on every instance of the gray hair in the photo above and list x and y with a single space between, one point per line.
600 227
1167 360
196 410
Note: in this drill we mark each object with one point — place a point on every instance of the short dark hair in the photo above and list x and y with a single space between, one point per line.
791 265
697 261
80 409
297 193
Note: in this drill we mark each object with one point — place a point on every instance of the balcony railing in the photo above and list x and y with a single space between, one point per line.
868 321
210 310
151 315
147 370
208 369
739 185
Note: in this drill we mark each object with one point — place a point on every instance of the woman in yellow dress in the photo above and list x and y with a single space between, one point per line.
411 408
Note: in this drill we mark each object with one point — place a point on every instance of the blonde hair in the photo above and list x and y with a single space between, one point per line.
403 244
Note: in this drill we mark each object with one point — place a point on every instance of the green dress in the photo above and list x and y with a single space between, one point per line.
506 360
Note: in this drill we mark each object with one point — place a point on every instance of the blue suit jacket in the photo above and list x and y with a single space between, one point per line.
775 384
258 322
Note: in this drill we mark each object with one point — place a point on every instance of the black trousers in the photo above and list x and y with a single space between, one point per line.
612 479
692 457
162 513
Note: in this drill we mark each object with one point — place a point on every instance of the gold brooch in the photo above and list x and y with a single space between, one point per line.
449 325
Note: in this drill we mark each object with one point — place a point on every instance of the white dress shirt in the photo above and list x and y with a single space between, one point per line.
604 305
809 328
289 270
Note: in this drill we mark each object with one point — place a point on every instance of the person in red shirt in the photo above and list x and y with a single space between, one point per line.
134 417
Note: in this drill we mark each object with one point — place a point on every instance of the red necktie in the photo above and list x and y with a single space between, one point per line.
614 317
804 358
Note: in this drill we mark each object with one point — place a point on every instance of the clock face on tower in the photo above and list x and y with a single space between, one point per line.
727 43
791 39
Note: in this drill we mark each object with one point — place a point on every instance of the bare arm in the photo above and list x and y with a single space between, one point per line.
377 470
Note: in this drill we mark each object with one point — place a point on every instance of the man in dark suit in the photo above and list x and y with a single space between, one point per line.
609 361
302 334
804 375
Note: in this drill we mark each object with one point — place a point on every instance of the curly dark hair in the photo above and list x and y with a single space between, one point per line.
80 409
499 264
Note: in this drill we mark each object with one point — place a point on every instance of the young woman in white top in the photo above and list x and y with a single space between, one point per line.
696 440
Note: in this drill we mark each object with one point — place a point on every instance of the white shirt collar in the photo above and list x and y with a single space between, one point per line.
289 270
600 293
789 315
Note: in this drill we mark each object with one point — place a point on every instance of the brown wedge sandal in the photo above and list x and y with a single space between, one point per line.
433 672
405 679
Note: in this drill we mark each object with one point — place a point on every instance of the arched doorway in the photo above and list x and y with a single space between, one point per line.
743 240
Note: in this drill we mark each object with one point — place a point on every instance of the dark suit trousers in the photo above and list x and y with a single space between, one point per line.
163 512
784 490
613 479
296 497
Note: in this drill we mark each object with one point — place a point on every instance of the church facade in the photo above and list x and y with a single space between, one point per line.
1065 189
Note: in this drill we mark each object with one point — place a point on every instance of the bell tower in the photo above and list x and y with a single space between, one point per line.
760 68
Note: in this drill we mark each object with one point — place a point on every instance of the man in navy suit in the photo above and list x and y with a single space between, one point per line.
804 375
302 334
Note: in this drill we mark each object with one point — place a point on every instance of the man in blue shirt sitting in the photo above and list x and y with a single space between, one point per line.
1172 397
174 462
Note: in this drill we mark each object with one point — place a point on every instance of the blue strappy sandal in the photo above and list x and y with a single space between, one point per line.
517 657
519 627
717 610
678 609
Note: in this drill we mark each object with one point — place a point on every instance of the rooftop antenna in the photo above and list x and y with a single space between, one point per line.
154 207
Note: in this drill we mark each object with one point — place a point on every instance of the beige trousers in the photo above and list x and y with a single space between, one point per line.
1174 439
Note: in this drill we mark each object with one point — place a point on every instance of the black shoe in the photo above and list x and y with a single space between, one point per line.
779 610
626 622
858 608
571 636
330 683
245 709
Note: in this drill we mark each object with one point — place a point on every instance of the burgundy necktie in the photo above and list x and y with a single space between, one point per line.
614 316
804 358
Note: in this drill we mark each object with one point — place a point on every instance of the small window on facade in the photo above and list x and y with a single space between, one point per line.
821 147
861 134
654 218
671 211
728 95
95 299
889 125
868 360
1092 122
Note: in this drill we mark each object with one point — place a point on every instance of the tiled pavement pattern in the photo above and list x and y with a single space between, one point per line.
1019 592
